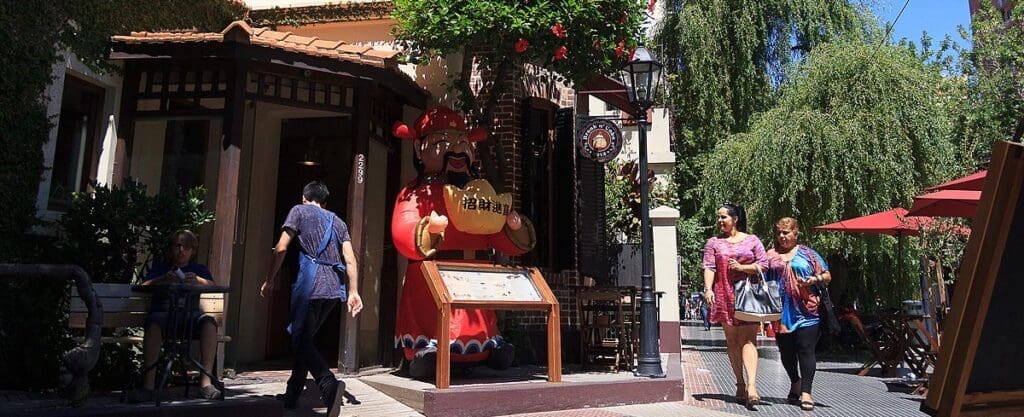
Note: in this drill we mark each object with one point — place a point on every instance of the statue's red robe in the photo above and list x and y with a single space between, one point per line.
472 332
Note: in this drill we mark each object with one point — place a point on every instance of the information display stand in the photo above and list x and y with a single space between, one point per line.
473 285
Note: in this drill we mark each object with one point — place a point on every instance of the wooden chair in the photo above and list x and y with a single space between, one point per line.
604 338
885 350
123 307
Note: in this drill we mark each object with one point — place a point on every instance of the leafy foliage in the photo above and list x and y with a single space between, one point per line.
622 199
106 231
857 130
332 12
990 103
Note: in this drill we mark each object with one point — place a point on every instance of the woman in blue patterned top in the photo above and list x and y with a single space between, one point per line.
799 270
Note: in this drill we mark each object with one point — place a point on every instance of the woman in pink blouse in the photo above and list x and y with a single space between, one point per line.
729 257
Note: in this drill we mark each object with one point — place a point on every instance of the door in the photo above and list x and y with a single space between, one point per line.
311 149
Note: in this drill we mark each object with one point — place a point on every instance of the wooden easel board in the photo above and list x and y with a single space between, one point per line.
981 361
460 284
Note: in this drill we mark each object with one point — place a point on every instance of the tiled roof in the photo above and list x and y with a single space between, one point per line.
273 39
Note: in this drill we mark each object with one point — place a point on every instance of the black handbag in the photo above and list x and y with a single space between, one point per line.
827 311
757 301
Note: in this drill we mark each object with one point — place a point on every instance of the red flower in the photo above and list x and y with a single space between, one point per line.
632 51
522 45
560 53
650 6
623 18
558 30
621 49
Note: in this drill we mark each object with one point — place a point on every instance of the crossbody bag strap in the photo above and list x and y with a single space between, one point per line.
328 232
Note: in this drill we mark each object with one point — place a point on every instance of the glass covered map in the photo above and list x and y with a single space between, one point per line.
479 285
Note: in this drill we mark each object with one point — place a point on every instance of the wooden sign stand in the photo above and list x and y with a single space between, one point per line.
539 297
980 359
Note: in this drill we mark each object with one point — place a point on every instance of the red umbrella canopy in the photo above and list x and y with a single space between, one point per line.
893 222
973 182
946 203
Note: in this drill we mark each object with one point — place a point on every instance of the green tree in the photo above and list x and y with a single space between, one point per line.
858 129
725 60
989 105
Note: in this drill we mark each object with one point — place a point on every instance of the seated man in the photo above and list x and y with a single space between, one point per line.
179 268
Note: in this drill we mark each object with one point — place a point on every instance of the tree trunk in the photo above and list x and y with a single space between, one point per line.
80 360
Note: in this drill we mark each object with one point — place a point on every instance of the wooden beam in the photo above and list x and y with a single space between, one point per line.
389 78
348 355
227 179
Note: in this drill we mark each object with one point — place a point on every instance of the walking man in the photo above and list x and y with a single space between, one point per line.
323 241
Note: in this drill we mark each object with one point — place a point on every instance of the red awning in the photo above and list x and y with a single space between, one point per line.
610 91
973 182
947 203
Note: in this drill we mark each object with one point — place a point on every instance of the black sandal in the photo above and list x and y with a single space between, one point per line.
741 394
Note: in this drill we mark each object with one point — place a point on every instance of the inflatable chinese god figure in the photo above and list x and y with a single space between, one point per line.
446 209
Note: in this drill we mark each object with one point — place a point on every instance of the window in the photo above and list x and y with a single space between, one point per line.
76 154
185 145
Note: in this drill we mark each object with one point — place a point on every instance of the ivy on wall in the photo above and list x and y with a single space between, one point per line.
335 12
34 35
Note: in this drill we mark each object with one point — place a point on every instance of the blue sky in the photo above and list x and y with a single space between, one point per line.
937 17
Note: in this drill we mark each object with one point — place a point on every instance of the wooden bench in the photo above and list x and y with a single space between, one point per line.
123 307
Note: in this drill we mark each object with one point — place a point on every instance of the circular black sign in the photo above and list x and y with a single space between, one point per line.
600 140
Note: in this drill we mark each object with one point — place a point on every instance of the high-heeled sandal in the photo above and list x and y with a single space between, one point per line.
741 393
753 400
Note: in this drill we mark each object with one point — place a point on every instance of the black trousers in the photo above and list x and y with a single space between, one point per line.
797 351
307 357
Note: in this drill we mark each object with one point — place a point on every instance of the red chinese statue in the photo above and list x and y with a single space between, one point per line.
446 209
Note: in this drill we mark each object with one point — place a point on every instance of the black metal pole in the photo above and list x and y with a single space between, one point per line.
649 362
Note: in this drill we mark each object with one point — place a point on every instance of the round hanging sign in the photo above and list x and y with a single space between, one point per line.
600 140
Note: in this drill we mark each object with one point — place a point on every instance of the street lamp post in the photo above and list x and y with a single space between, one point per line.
641 77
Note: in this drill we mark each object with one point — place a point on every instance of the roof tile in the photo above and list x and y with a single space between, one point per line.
274 39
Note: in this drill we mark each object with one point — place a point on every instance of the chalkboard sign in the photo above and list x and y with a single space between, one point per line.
981 361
